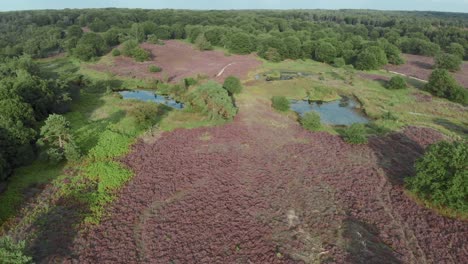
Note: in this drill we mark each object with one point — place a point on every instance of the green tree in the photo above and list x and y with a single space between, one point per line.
13 253
273 55
280 103
74 31
213 100
367 61
233 85
448 61
396 82
339 62
240 43
442 174
456 49
89 46
202 44
57 135
325 52
98 25
441 83
311 121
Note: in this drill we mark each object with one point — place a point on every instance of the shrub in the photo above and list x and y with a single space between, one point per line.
11 252
189 82
115 52
441 83
456 49
272 54
233 85
311 121
128 47
140 54
154 68
325 52
339 62
280 103
448 61
441 175
355 134
213 100
202 44
147 114
396 82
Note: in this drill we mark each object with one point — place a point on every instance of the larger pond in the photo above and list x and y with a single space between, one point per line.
340 112
148 96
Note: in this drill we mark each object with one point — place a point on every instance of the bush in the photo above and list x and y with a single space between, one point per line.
140 54
366 61
11 252
233 85
355 134
147 114
213 100
396 82
128 47
280 103
441 175
311 121
115 52
325 52
202 44
190 82
154 68
448 61
339 62
441 83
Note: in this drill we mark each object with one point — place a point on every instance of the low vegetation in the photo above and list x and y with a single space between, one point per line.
396 82
355 134
441 176
130 48
213 100
233 85
154 68
13 253
280 103
311 121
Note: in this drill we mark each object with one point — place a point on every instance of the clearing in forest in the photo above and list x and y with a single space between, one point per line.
179 60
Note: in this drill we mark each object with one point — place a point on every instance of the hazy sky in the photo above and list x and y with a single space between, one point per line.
433 5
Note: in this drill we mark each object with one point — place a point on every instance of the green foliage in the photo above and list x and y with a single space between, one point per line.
325 52
280 103
456 49
339 62
322 93
355 134
111 144
98 25
233 85
13 253
154 68
140 55
115 52
202 44
442 174
147 114
448 61
311 121
57 135
128 47
273 55
441 83
396 82
91 45
189 82
213 100
367 61
240 43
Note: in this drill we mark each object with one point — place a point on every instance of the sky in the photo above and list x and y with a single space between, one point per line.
432 5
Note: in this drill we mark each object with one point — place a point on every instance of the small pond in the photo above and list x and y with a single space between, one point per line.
339 112
149 96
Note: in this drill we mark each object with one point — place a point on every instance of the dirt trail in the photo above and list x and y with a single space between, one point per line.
263 190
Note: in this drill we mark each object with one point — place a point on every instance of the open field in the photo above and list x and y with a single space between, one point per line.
422 66
263 190
180 60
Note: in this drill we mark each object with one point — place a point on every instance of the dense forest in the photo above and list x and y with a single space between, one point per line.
364 39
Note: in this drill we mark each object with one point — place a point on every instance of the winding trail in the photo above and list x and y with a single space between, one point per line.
263 190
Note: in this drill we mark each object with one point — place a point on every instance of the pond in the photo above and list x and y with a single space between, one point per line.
339 112
149 96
